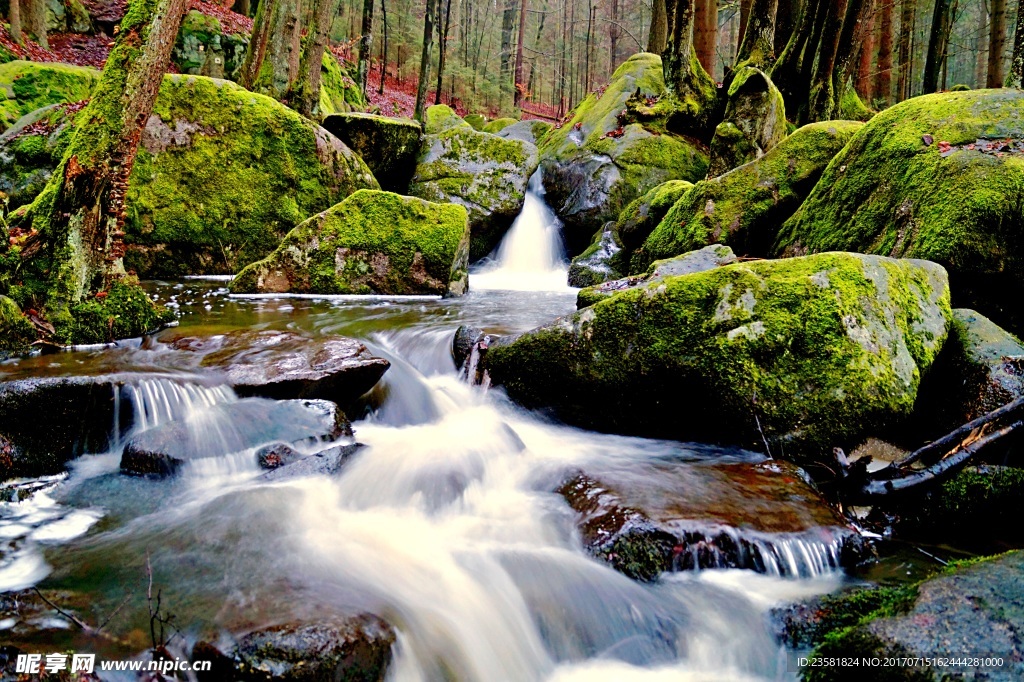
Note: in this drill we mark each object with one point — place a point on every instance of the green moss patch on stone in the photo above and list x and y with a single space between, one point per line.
389 146
16 332
338 90
441 117
811 353
921 180
497 125
373 242
29 86
642 215
746 207
203 48
121 312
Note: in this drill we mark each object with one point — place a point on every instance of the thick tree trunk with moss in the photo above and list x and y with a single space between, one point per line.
938 40
365 45
822 97
997 44
679 48
786 20
305 94
856 26
272 59
657 37
758 46
80 213
37 22
14 16
428 41
791 72
883 76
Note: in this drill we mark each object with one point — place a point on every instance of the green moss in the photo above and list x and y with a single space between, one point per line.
838 612
894 191
338 91
643 214
204 48
372 242
477 121
441 117
28 157
852 108
498 124
30 85
16 332
123 311
821 351
746 207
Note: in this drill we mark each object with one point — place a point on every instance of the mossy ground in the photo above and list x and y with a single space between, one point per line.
897 189
746 207
821 351
372 242
30 85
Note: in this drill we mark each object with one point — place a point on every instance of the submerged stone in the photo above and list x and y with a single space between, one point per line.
649 519
373 242
388 145
808 354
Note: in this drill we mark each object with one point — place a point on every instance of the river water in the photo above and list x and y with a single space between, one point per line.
445 524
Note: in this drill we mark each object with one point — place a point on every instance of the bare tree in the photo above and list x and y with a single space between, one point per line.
938 40
657 37
997 45
706 38
519 85
366 45
908 10
14 16
428 41
758 46
1016 78
883 75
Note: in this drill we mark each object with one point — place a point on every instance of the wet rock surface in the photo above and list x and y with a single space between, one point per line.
600 262
327 462
668 517
286 365
356 649
230 428
387 145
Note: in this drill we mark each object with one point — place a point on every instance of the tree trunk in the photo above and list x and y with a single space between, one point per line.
937 42
613 36
706 38
256 50
242 7
758 46
678 52
657 37
907 12
791 72
14 16
1017 63
365 45
82 214
508 24
442 51
883 75
855 31
536 41
786 20
744 16
821 101
305 95
384 47
590 32
981 46
997 45
37 22
424 79
272 59
519 85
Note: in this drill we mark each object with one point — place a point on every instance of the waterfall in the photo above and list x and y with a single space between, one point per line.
530 257
157 401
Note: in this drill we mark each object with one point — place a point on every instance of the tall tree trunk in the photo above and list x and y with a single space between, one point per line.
83 218
883 76
657 36
821 101
365 45
536 41
744 16
855 30
679 51
981 50
791 73
14 16
938 40
305 94
786 20
508 24
865 60
242 7
519 86
272 59
37 22
256 50
442 46
758 46
706 32
590 31
613 35
384 47
424 77
997 45
906 59
1017 62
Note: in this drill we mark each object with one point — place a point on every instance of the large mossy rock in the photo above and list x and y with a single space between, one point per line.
339 92
970 610
204 48
806 353
746 207
16 332
373 242
486 174
642 215
755 121
600 262
388 145
31 149
615 147
939 177
27 86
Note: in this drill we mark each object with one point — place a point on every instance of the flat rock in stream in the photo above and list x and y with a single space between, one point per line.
324 463
286 365
668 517
356 649
230 428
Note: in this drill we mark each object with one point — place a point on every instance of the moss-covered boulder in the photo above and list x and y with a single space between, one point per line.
601 261
16 332
755 121
528 131
746 207
974 610
938 177
486 174
27 86
498 124
204 48
616 145
373 242
338 90
67 16
806 353
388 145
708 258
31 149
478 121
642 215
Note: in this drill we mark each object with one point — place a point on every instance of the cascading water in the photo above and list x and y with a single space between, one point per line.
530 257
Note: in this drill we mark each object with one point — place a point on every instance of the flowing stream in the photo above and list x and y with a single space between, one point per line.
445 524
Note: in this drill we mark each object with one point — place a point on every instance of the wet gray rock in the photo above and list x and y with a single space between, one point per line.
668 517
990 364
229 428
708 258
286 365
526 131
275 455
599 263
324 463
356 649
388 145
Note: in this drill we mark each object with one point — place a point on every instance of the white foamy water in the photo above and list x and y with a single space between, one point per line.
530 257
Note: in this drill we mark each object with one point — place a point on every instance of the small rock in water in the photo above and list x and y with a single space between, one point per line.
356 649
324 463
277 455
